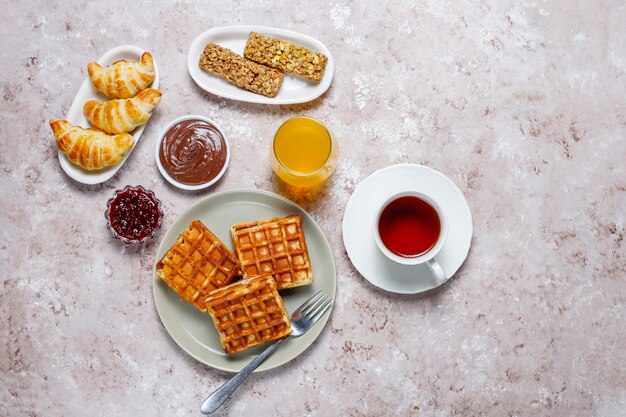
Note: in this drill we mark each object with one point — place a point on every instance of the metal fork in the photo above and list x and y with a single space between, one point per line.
301 320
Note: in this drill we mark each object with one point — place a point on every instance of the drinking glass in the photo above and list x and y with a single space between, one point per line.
303 153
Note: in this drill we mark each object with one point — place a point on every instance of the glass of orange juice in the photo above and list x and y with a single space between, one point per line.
304 153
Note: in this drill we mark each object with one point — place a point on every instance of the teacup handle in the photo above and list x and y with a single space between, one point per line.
437 270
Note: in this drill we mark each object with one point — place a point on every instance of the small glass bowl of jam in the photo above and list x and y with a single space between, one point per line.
133 214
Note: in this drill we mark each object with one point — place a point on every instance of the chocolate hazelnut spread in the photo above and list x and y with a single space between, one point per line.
193 152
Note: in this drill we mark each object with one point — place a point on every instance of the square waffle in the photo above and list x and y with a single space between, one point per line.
248 313
275 246
197 264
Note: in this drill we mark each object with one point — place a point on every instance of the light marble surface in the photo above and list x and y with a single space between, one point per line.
521 104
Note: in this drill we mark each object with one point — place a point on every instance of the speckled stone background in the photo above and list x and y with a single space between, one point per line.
521 104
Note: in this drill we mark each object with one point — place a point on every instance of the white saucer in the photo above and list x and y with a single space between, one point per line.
358 236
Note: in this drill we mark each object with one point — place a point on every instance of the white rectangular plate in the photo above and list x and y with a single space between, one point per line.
293 90
76 116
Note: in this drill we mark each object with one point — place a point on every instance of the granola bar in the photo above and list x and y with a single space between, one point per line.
285 56
242 72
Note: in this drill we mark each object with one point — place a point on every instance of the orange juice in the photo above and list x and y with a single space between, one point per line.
304 153
302 145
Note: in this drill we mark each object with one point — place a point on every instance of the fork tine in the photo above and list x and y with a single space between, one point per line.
321 310
311 300
318 306
314 305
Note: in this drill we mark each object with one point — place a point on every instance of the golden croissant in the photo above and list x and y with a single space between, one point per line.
123 115
90 148
123 79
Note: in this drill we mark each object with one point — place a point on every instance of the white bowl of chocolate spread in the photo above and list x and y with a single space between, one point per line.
192 152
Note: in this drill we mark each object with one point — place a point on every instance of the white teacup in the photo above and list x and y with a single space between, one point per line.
428 257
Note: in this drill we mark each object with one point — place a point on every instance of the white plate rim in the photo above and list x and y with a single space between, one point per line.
88 92
351 202
315 331
197 46
180 184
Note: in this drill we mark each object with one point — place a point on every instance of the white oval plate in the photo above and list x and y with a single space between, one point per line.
293 90
361 210
193 330
76 116
180 184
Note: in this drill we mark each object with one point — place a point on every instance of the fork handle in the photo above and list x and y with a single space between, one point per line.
220 395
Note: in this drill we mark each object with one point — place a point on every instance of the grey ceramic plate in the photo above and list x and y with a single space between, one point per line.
193 330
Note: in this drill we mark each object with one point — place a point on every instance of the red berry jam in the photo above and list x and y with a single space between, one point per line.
134 214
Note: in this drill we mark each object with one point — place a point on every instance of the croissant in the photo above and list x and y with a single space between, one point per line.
122 115
123 79
90 148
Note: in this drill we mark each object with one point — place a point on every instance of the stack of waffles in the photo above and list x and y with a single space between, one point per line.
271 255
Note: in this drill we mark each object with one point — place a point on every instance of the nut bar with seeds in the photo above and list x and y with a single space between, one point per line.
285 56
240 71
276 246
248 313
197 264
